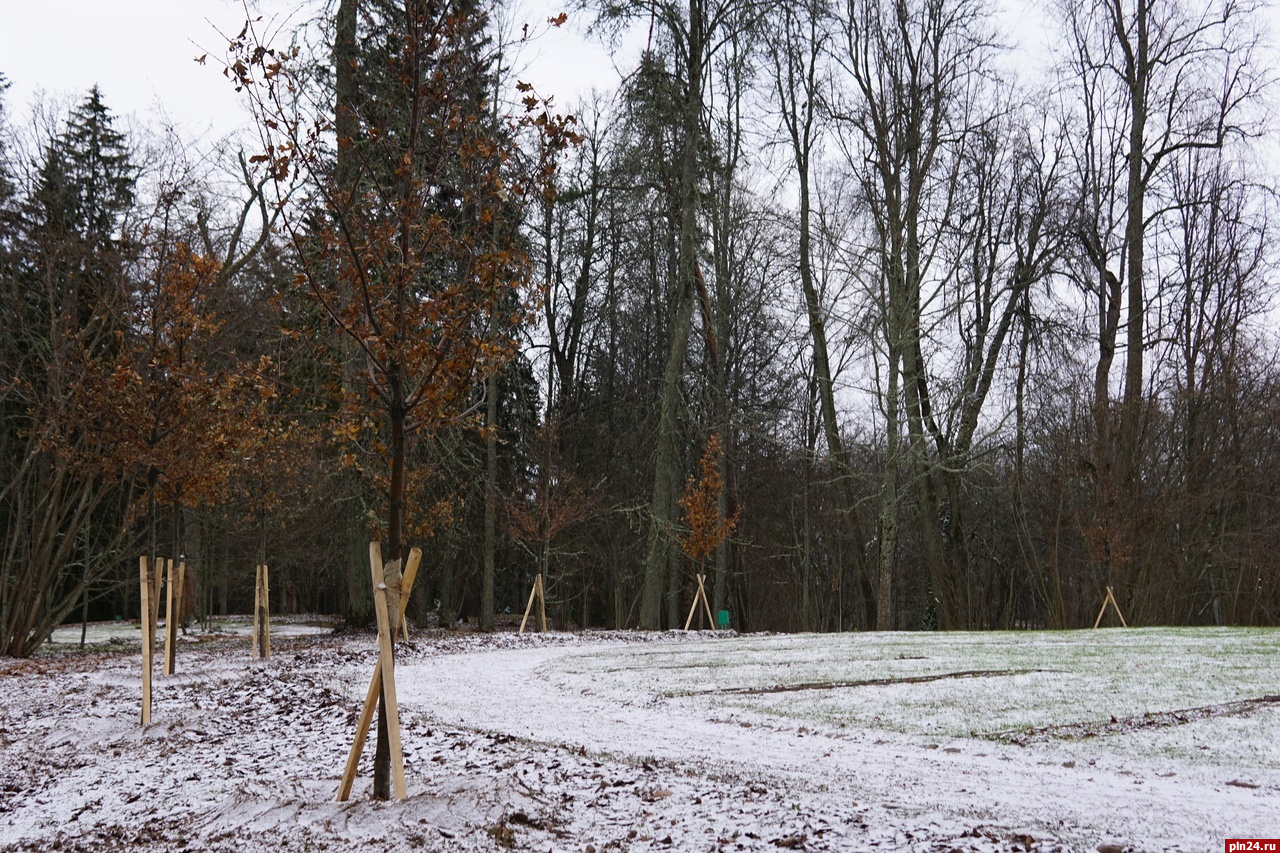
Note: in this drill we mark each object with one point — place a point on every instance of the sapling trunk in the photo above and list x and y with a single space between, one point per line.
382 754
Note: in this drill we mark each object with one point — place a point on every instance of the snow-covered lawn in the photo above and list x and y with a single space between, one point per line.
129 633
607 741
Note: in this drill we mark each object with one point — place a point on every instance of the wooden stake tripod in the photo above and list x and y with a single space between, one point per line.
700 595
537 592
383 682
1110 599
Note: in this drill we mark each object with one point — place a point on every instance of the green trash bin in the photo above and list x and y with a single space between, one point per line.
722 620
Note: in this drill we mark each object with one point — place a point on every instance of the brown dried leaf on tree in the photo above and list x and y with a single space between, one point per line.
558 499
416 261
404 209
167 409
701 503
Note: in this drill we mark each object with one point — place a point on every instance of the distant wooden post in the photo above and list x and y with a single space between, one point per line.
1110 599
173 617
385 661
157 569
542 605
170 621
700 596
148 636
257 593
262 614
540 594
182 592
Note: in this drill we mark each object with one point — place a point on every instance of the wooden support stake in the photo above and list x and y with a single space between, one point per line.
693 608
1111 599
261 614
147 628
386 662
406 584
157 568
266 612
700 597
170 632
254 650
542 605
375 683
182 591
537 593
711 623
528 608
362 732
173 619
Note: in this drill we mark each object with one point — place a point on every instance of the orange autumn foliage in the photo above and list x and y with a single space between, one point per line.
701 503
165 411
417 259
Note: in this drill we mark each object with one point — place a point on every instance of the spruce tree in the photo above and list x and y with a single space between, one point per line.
83 194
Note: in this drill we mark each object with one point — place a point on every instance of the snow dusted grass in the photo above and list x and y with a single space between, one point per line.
1020 680
1054 677
1057 676
642 742
878 719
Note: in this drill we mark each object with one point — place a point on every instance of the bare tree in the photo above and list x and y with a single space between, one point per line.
916 72
694 35
1143 81
800 41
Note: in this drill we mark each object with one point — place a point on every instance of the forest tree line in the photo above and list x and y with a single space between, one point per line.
963 341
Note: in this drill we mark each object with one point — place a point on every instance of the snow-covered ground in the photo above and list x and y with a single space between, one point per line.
128 633
594 742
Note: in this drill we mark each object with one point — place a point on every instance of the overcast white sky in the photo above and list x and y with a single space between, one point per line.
142 54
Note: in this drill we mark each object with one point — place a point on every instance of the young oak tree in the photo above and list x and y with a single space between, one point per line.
417 258
703 509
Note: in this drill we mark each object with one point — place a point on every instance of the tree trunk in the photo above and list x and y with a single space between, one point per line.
888 504
826 398
395 526
359 603
1135 228
490 502
662 556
